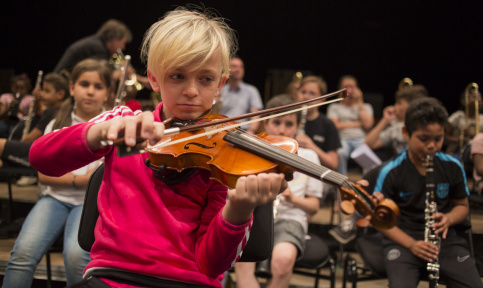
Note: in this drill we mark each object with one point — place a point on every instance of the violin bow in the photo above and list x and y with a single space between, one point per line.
124 150
176 130
214 131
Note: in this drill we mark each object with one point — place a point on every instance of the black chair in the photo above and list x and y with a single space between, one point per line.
317 256
369 247
57 247
258 247
11 173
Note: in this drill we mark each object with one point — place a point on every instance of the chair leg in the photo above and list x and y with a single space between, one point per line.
344 275
316 284
350 272
353 273
332 272
49 271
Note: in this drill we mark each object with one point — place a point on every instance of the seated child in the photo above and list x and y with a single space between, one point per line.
301 198
59 209
404 181
151 233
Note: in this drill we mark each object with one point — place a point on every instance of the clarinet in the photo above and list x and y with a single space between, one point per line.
30 115
303 120
430 210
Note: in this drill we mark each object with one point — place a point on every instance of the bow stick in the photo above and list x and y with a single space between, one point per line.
175 130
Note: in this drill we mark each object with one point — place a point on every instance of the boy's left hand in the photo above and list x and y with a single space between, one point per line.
442 224
250 192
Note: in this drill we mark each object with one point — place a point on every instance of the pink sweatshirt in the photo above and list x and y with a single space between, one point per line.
145 226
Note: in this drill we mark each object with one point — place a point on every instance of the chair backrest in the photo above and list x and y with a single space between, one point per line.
258 247
89 210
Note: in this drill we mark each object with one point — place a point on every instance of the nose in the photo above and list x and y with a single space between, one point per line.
431 146
191 89
282 130
90 90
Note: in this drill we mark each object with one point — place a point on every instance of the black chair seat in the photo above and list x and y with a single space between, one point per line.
317 253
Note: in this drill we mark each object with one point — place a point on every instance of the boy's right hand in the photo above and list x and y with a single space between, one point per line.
424 250
129 128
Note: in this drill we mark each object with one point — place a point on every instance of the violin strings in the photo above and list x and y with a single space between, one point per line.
165 144
322 173
325 173
328 174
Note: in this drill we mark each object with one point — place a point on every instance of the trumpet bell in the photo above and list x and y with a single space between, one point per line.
132 84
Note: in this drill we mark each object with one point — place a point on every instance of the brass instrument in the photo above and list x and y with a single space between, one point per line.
471 88
405 82
122 81
430 210
31 113
297 77
117 61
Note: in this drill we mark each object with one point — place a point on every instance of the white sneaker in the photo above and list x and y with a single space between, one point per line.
27 181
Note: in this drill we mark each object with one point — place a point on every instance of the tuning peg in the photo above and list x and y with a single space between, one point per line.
347 207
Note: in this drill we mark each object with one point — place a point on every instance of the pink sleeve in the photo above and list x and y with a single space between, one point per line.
221 243
65 150
62 151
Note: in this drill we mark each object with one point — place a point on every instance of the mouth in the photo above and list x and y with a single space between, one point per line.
188 106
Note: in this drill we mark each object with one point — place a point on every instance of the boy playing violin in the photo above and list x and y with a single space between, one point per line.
149 232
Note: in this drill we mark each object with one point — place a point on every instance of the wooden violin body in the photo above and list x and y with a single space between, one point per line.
226 162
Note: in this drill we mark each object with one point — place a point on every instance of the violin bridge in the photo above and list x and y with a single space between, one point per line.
211 128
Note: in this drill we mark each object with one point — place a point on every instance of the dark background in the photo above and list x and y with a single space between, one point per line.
435 43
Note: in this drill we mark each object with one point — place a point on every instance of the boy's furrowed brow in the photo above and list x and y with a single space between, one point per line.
207 70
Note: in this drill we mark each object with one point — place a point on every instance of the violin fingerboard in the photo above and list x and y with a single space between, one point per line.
124 150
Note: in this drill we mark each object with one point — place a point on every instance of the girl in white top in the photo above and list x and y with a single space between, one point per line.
60 207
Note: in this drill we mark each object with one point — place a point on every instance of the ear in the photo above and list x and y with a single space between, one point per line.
60 95
405 133
220 85
154 83
71 89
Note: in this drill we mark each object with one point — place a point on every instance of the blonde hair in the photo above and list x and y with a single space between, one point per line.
183 37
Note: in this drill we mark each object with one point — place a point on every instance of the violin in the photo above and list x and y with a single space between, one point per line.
214 143
232 153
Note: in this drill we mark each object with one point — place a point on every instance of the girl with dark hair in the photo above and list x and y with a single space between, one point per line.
60 207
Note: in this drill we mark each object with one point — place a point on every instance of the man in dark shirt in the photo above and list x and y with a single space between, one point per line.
112 35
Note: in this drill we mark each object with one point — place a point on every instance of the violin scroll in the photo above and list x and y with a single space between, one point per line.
382 213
